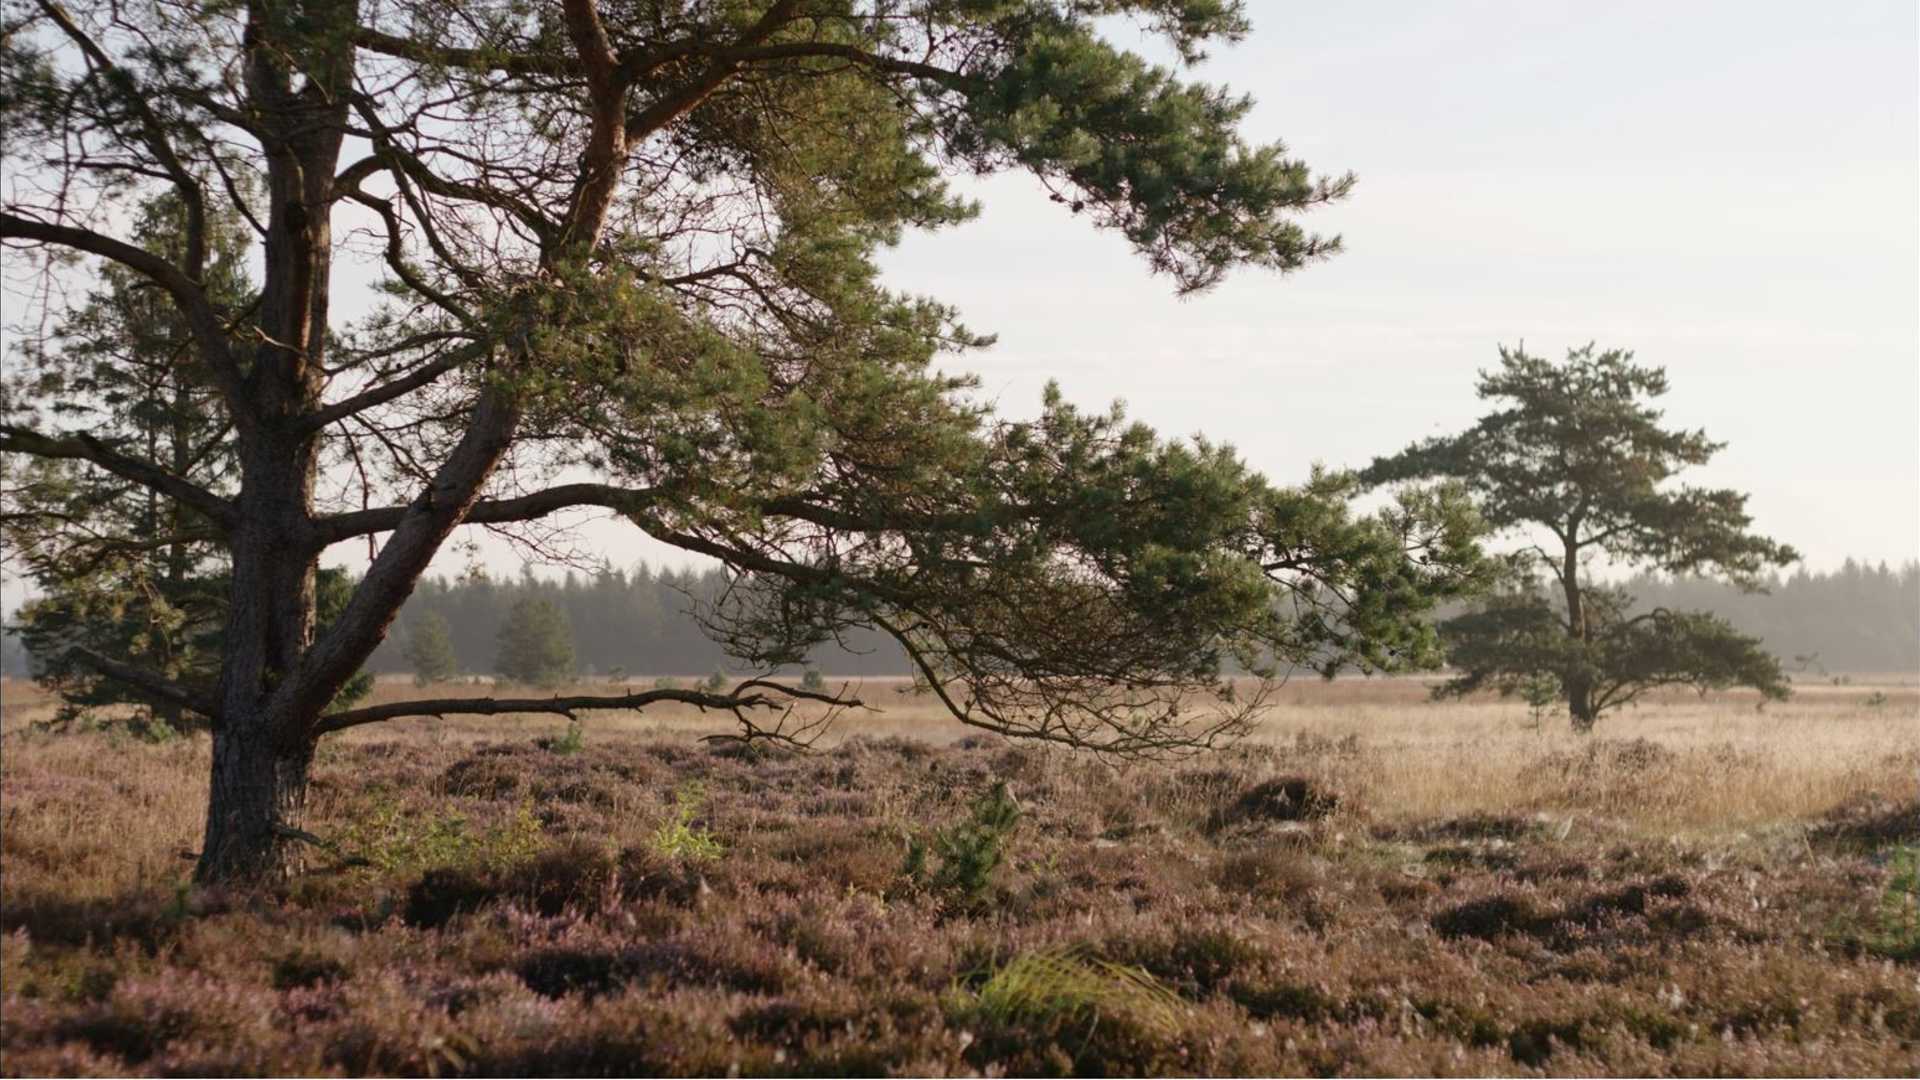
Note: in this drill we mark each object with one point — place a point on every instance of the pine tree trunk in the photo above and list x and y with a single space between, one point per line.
1578 684
256 804
1580 704
262 750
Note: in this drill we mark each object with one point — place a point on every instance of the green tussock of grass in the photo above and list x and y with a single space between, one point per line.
1049 987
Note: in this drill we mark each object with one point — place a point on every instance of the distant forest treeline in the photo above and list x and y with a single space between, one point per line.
640 622
1854 619
1857 618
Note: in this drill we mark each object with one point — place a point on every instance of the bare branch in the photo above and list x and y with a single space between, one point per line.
518 62
154 133
388 391
209 328
745 696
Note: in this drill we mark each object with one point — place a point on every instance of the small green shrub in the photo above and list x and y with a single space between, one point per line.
1541 692
1899 930
969 852
715 682
397 839
143 727
678 837
572 742
813 680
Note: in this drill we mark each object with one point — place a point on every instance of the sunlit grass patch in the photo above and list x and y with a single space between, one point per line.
1066 989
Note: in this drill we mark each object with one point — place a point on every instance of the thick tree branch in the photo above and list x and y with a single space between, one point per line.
147 682
752 694
491 511
417 535
82 447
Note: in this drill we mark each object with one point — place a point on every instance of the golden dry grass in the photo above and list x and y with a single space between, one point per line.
1731 765
1679 766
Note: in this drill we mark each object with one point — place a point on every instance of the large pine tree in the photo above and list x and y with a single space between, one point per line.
637 240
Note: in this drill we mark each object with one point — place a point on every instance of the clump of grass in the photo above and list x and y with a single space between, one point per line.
678 837
1285 799
1065 987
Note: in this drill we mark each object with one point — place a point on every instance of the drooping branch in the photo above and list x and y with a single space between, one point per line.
632 65
147 682
1112 717
838 51
209 329
84 447
748 695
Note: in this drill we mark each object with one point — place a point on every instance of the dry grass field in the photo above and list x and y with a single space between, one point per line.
1371 884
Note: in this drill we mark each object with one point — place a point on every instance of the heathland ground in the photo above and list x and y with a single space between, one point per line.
1371 884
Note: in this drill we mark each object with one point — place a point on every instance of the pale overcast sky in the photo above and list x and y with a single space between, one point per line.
1732 190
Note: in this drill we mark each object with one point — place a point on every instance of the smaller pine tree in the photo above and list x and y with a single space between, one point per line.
430 649
536 644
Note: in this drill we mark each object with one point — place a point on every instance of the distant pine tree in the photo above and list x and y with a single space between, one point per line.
430 649
536 644
1576 449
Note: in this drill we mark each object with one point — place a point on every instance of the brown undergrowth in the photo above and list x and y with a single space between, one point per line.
650 905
